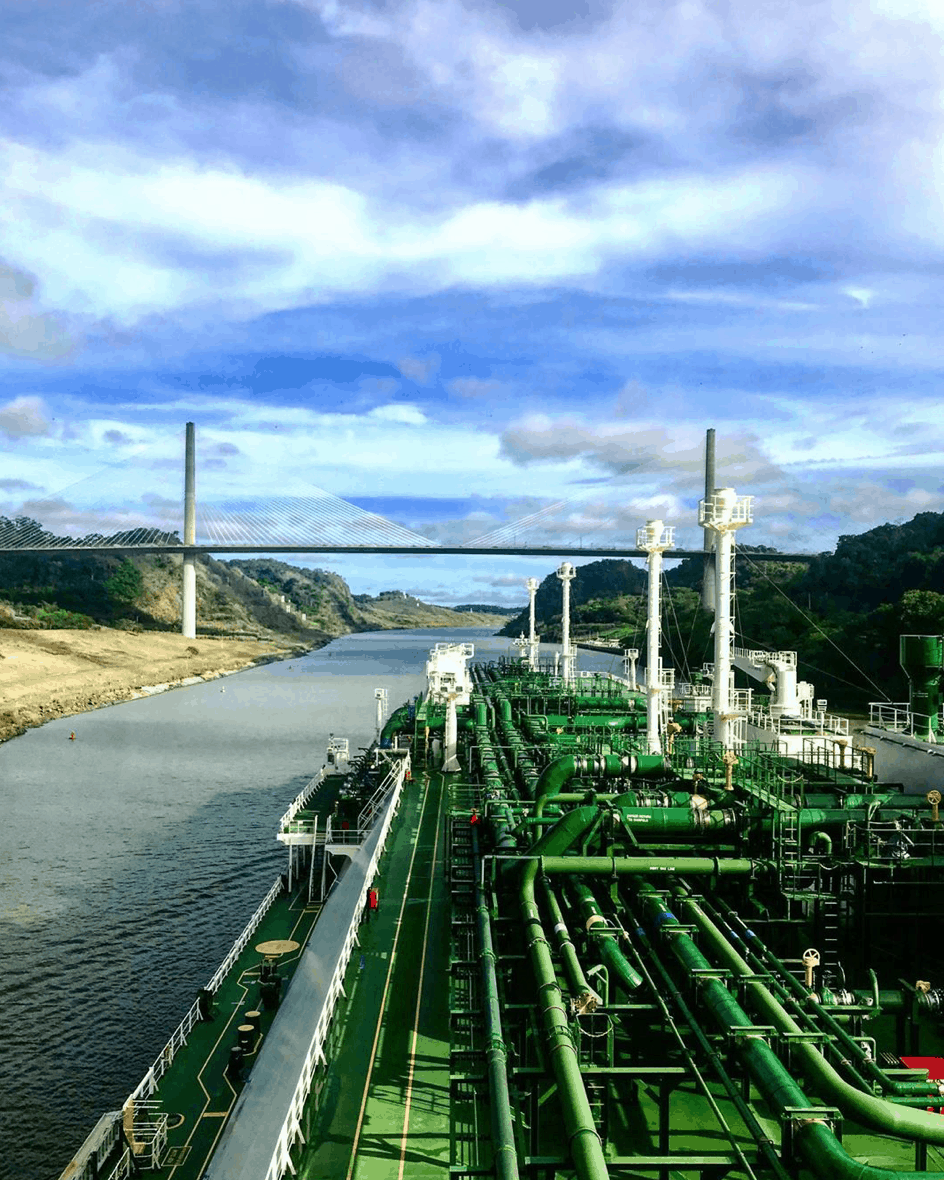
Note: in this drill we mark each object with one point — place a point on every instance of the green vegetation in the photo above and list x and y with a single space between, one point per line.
55 618
125 585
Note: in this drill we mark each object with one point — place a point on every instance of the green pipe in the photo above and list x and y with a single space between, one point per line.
803 997
394 723
503 1131
585 996
586 1148
657 865
566 832
562 770
668 988
815 1142
820 837
827 1157
674 821
612 956
864 1108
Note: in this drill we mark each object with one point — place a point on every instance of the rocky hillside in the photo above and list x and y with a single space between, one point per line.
328 603
260 598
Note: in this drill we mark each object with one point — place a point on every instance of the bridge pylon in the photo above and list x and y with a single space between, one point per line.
189 605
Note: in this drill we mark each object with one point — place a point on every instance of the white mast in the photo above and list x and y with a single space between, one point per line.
566 573
723 513
532 584
655 538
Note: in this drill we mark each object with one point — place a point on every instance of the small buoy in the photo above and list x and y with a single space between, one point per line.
222 690
72 736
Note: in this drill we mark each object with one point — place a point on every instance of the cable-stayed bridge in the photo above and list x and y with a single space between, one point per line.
318 522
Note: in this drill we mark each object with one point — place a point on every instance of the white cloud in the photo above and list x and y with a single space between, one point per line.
88 218
24 417
409 415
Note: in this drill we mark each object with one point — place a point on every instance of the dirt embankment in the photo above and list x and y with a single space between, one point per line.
49 674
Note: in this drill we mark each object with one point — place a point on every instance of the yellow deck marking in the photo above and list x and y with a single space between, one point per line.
419 995
247 973
386 990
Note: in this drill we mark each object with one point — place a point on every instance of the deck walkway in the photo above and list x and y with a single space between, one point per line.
248 1142
384 1108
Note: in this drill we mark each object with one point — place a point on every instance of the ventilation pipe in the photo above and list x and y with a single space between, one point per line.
189 614
921 658
532 585
566 573
654 538
380 696
723 513
450 761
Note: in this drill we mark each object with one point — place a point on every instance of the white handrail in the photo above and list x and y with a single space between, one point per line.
302 797
291 1127
178 1039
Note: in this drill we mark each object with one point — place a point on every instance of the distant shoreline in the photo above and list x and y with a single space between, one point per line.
47 675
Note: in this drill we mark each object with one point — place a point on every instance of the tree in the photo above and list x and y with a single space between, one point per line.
125 584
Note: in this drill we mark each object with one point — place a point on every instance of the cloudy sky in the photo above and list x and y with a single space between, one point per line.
480 268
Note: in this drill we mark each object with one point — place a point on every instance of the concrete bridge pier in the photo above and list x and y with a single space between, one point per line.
189 614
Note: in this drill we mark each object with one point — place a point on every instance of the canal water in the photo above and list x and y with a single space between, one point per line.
131 859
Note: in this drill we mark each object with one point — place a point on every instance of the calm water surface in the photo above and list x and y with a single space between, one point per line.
131 858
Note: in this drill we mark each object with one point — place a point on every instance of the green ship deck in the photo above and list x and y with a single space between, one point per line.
603 976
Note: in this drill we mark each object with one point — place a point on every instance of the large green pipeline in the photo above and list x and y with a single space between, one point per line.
560 772
580 987
612 956
394 723
675 821
566 832
503 1131
765 956
586 1148
434 724
815 1142
687 821
864 1108
655 865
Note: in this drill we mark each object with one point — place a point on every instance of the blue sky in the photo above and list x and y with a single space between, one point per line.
459 263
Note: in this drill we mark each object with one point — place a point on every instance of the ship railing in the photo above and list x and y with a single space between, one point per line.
148 1084
302 797
353 836
827 723
299 827
834 754
898 717
150 1137
239 945
281 1161
373 805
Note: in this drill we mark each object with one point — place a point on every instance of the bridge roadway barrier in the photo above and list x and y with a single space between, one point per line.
259 1133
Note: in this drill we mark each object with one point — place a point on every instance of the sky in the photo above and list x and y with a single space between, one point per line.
481 269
